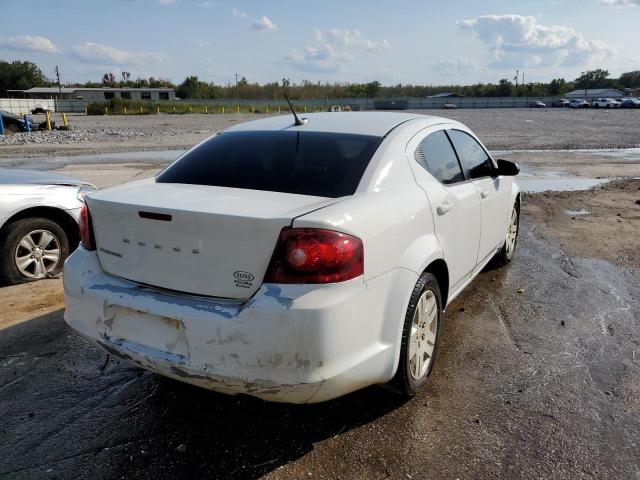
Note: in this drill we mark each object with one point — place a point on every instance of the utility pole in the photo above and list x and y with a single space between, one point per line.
237 74
523 87
517 75
58 77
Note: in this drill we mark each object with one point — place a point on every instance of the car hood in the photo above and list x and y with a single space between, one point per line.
35 177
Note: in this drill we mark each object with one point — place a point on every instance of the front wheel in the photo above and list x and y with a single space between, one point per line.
505 254
419 336
32 249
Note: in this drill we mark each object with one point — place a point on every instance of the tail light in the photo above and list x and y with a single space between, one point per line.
86 229
315 255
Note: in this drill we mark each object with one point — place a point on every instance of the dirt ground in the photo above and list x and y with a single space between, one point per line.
500 129
603 222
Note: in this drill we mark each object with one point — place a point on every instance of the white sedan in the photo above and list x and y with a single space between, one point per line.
295 262
39 212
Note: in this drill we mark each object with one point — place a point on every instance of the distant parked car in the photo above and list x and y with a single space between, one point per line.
537 104
605 103
39 214
40 110
14 123
560 103
579 103
630 103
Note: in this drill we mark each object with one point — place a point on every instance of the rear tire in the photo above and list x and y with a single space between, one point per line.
420 336
32 249
505 254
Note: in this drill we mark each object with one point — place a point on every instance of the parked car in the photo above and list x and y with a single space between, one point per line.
295 262
560 103
537 104
39 214
605 103
14 123
579 103
630 103
40 110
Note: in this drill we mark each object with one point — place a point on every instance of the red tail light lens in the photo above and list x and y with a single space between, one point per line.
86 229
315 255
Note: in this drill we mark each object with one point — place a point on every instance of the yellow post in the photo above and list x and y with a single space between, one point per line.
158 109
106 110
305 109
125 110
174 109
21 114
223 109
85 111
64 119
46 114
238 108
267 108
278 109
206 110
140 109
190 109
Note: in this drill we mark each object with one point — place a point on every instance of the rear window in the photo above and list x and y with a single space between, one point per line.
305 163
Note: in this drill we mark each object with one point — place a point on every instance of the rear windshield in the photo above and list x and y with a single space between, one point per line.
305 163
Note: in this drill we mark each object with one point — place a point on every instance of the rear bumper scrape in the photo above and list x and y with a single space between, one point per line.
288 343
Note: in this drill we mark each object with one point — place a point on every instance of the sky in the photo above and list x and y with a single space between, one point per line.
430 42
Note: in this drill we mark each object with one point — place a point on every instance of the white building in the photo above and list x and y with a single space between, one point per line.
596 93
95 94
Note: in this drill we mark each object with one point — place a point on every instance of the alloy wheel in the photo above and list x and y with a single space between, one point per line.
37 253
423 335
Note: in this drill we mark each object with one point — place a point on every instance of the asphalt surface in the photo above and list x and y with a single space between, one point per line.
537 377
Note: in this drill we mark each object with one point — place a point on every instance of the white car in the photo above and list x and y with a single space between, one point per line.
39 212
579 103
294 262
605 103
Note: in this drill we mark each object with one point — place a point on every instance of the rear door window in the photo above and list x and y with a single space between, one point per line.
475 161
437 157
306 163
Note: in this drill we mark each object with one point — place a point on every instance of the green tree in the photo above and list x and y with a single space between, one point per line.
19 75
598 78
630 79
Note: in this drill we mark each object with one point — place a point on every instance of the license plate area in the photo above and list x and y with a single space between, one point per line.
159 333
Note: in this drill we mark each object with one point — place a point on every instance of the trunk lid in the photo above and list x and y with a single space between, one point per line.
204 240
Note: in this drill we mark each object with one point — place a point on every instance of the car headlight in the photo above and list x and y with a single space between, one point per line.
82 191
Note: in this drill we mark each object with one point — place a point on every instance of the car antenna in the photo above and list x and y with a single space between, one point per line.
298 122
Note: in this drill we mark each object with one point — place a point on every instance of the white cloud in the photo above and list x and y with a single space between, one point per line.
237 13
323 59
28 43
167 2
91 52
458 66
619 3
264 24
516 40
333 51
205 4
354 38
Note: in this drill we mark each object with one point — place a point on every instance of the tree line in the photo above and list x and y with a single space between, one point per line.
20 75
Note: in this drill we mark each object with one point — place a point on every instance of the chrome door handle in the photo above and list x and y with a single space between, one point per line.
444 207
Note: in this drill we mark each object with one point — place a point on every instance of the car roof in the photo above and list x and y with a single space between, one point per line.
358 123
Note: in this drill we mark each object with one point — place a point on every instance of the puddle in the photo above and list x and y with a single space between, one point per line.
577 211
631 154
52 163
567 184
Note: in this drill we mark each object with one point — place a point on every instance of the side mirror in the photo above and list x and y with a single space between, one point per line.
507 168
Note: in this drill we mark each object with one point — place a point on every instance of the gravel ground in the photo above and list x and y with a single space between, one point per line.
500 129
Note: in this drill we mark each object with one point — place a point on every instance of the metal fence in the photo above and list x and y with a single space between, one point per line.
23 105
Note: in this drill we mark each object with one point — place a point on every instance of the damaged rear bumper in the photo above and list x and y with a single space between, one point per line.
288 343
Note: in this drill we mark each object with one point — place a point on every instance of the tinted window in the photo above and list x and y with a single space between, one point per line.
306 163
475 161
437 157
